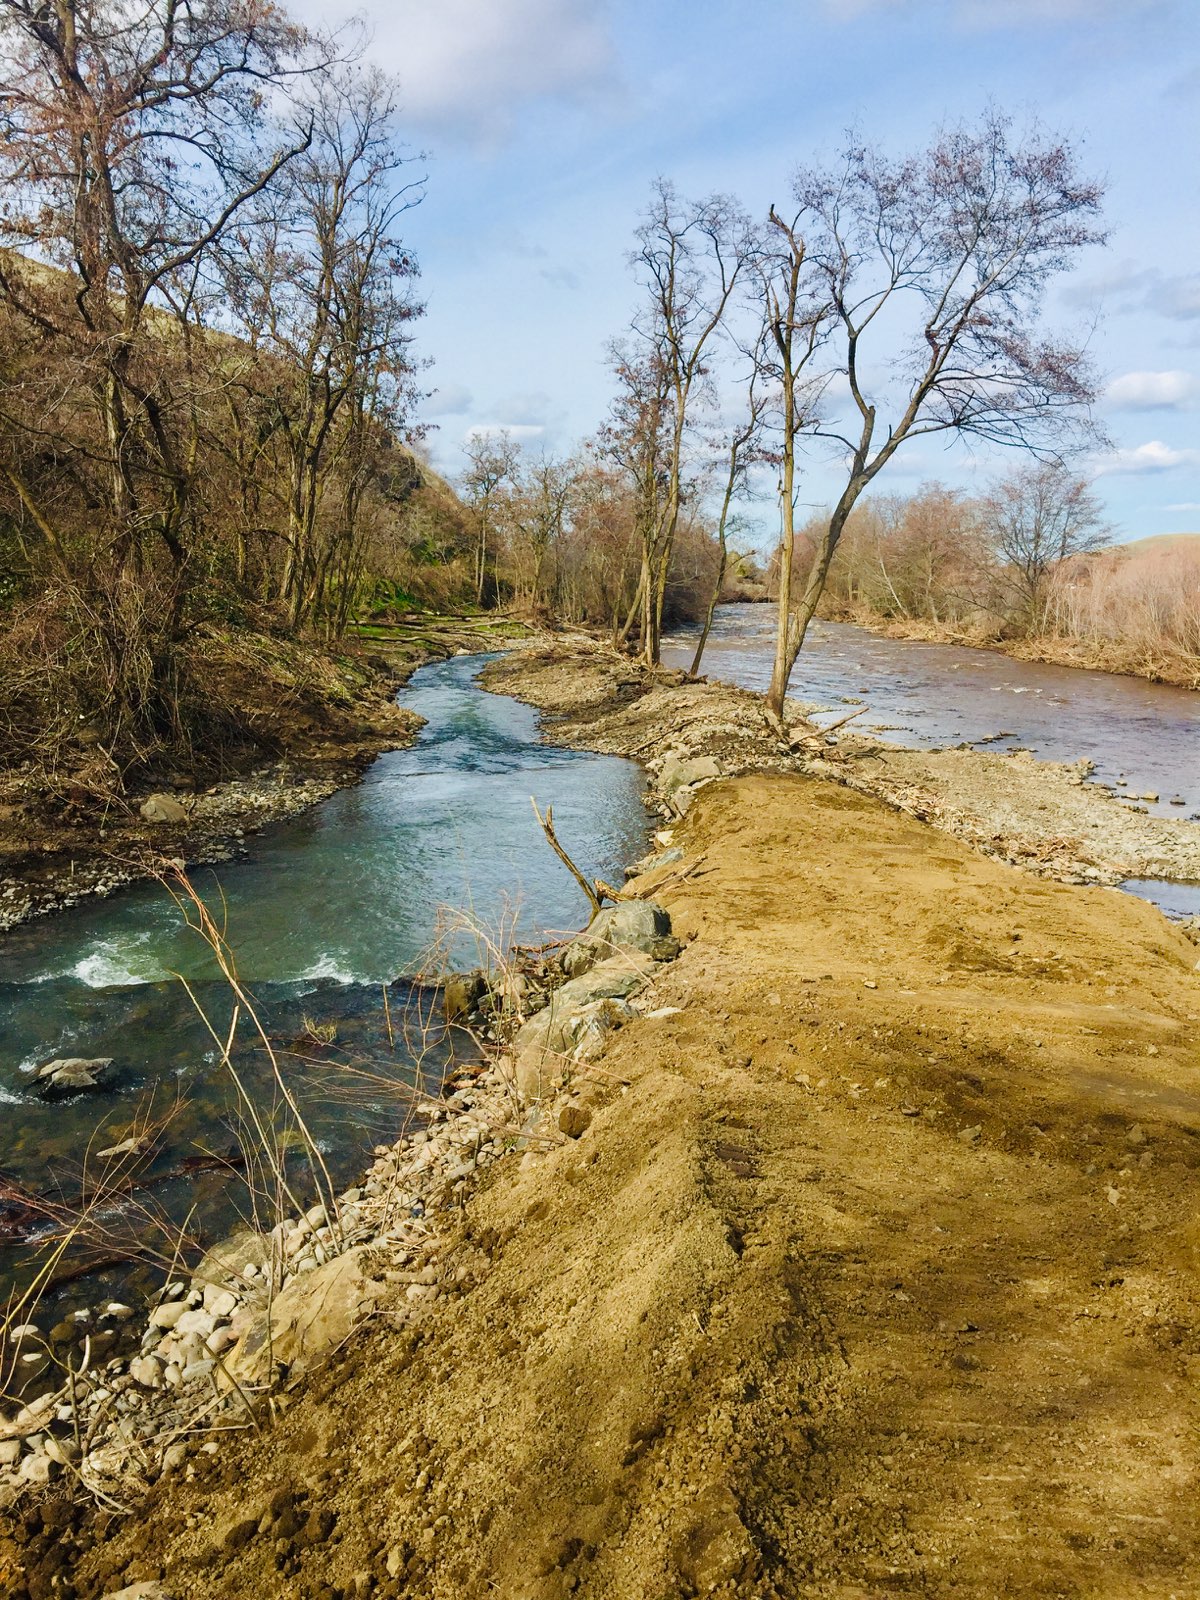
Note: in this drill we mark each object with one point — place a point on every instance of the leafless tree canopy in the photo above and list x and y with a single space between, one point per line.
923 286
204 308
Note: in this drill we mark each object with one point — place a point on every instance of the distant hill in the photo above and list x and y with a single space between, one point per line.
1157 542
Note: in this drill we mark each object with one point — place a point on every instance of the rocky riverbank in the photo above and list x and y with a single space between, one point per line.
839 1241
1039 815
145 1396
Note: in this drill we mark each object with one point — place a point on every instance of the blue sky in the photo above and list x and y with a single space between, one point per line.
545 122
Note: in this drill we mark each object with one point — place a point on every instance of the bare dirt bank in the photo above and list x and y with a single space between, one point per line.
874 1272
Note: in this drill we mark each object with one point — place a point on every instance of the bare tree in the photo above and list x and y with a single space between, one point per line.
493 459
931 272
320 279
636 439
1037 518
131 139
741 449
539 511
689 258
795 317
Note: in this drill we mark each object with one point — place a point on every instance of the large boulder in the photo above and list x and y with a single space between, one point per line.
678 777
575 1022
314 1313
583 1036
637 925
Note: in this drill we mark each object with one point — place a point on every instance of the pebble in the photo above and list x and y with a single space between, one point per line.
38 1469
220 1302
197 1322
148 1371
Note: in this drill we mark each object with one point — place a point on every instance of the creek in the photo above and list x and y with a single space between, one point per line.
432 859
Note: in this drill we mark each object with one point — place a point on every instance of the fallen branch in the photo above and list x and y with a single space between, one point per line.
596 891
832 727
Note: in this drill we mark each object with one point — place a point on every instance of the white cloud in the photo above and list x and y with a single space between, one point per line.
1177 297
524 409
450 400
466 66
1128 287
1153 456
520 431
1150 391
1184 505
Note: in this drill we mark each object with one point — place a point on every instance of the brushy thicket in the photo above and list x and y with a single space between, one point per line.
940 564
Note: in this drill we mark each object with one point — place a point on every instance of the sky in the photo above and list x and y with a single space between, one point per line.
542 123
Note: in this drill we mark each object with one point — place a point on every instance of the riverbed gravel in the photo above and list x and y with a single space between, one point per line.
1043 816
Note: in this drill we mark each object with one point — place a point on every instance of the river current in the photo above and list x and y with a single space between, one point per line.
936 695
434 855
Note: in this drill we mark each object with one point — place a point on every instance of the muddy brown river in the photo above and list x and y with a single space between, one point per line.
1144 738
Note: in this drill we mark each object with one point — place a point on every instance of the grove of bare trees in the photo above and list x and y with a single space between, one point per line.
205 309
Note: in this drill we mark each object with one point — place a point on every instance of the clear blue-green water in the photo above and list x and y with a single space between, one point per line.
325 910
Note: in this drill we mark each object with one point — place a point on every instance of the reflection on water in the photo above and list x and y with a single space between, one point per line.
933 695
930 696
326 909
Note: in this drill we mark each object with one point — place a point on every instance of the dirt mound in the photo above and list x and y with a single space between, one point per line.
874 1273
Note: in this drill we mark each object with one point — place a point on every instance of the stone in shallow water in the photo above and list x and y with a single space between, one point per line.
72 1074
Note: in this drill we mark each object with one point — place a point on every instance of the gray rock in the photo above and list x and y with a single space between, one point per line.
163 808
656 859
167 1315
579 1035
545 1045
38 1469
313 1314
636 925
680 774
220 1302
198 1322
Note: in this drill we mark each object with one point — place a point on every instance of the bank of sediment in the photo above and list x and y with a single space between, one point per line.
1040 815
864 1262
